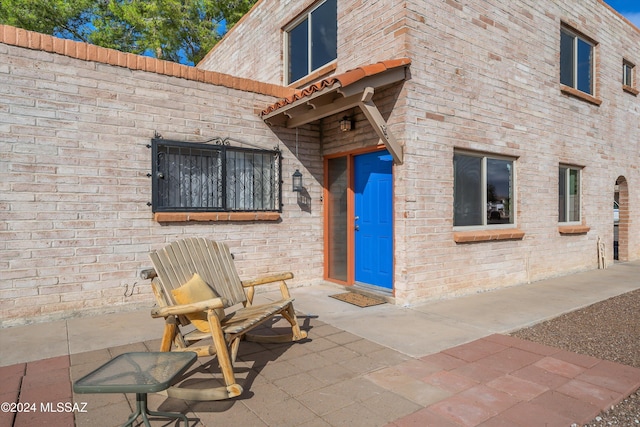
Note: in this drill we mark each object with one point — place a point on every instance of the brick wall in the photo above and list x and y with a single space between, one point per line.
368 32
485 77
75 228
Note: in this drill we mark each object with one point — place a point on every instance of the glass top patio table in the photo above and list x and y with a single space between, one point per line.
136 373
139 373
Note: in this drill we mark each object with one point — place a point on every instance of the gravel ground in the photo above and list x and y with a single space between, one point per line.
607 330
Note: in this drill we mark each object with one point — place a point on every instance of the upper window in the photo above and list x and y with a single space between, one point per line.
629 77
577 62
627 73
208 178
482 190
569 194
312 40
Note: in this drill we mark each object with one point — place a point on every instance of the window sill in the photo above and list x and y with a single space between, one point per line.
573 229
580 95
630 90
315 75
487 235
163 217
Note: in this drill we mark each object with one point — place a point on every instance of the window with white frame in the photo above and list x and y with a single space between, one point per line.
483 190
311 40
569 183
627 73
577 61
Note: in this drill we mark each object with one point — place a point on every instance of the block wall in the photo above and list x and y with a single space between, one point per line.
368 32
75 227
485 77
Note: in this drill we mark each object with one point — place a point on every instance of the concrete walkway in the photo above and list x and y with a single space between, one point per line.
442 363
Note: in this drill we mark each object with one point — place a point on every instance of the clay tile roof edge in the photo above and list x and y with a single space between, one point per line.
344 79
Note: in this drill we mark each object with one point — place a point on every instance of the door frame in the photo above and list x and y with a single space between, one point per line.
350 214
621 188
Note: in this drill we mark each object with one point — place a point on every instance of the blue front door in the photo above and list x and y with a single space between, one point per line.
373 183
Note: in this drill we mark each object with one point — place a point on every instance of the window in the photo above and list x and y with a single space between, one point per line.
312 41
206 178
627 73
482 190
576 62
629 78
569 194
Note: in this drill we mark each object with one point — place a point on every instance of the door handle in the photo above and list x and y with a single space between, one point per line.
357 227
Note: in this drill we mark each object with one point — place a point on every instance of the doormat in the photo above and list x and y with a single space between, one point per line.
358 299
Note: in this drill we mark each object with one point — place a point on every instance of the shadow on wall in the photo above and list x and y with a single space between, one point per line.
304 200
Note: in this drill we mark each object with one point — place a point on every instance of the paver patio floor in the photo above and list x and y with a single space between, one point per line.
336 378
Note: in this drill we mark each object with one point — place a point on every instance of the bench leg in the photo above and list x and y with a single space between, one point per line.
290 315
168 336
222 351
235 345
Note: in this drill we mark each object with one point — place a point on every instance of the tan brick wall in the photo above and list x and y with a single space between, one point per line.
75 228
368 32
485 77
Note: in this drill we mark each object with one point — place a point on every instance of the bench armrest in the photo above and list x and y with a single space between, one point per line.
148 273
267 279
250 285
196 307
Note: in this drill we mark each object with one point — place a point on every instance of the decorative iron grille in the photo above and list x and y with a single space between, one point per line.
203 177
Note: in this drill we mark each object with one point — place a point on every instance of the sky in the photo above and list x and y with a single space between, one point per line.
630 9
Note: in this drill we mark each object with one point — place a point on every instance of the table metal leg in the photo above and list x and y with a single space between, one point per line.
134 416
143 410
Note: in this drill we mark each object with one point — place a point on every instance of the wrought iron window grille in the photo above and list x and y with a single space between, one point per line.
214 177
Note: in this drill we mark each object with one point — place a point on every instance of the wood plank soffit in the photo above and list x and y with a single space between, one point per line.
336 99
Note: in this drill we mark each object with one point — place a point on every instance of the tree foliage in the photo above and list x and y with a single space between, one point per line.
175 30
64 18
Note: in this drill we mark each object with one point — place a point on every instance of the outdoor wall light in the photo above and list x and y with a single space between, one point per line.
297 181
345 124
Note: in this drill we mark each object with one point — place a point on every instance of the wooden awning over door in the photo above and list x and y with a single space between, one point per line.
335 94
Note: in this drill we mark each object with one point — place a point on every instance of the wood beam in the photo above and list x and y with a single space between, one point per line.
323 111
378 81
372 114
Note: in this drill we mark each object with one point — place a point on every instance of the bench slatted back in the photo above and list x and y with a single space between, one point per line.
177 262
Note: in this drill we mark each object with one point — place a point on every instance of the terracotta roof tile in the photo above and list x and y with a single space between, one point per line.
344 79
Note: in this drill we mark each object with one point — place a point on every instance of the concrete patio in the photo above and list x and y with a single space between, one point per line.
442 363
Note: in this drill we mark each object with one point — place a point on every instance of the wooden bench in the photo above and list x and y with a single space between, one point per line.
196 283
